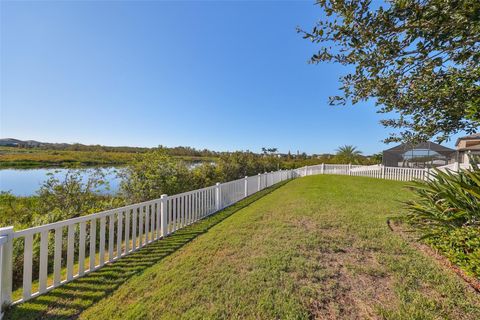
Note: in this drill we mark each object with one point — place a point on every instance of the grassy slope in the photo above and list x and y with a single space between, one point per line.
318 247
69 300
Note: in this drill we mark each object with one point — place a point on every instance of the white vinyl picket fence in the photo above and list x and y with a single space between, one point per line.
107 236
374 171
89 242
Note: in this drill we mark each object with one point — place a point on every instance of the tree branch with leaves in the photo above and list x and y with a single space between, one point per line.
418 59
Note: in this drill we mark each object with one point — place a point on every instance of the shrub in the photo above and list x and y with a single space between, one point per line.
447 201
16 210
72 196
57 199
446 211
152 174
461 246
204 175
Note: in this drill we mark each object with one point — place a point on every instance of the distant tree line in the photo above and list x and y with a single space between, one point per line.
293 160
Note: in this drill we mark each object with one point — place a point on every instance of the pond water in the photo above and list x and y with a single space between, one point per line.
25 182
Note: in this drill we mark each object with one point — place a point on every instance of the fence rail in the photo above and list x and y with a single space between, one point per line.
377 171
69 249
81 245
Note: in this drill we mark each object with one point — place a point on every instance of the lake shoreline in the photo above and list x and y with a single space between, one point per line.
57 165
26 182
28 164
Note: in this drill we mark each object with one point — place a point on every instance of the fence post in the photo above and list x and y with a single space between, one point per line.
305 171
246 186
383 171
259 182
6 268
217 196
456 166
322 170
164 215
349 169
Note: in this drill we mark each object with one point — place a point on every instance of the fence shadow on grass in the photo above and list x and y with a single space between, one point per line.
69 300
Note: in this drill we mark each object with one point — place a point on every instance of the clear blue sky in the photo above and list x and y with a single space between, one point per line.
217 75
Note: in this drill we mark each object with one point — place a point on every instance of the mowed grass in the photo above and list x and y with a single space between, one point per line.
69 300
317 247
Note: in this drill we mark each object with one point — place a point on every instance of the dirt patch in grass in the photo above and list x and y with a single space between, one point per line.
349 287
345 278
318 248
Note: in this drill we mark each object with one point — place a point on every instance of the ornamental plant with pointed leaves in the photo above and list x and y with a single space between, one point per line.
449 200
418 59
446 211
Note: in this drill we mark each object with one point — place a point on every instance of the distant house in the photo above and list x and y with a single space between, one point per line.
423 155
467 145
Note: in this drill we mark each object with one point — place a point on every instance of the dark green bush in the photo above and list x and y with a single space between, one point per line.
461 246
446 212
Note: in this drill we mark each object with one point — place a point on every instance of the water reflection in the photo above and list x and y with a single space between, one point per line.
25 182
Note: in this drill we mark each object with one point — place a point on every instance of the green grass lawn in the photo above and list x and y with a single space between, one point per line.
317 247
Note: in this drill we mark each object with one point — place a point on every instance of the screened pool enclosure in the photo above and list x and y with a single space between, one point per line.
423 155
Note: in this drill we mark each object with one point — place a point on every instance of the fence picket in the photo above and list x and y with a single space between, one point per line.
81 249
140 226
134 229
93 243
159 219
57 257
119 233
27 267
174 215
152 222
42 280
101 249
70 251
147 224
181 210
127 231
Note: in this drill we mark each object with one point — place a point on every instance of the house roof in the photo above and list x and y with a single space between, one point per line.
474 136
471 148
422 145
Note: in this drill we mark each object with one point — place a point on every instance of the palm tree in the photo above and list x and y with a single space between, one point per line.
348 154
